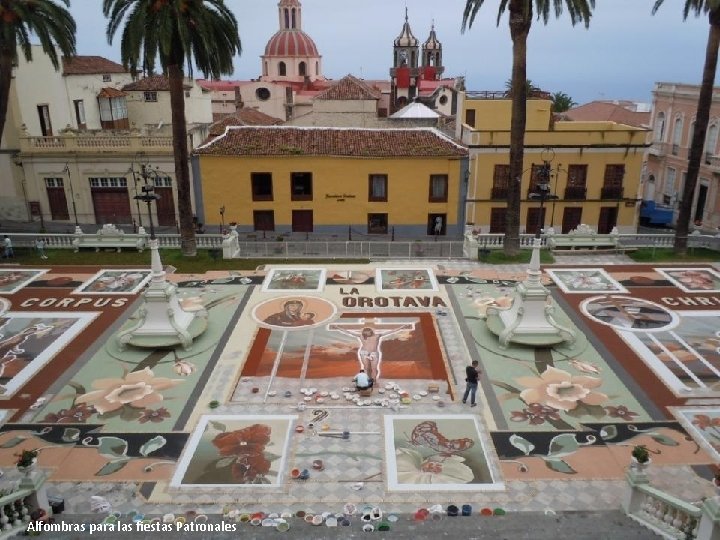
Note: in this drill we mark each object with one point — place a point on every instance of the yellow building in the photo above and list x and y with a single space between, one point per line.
324 180
595 167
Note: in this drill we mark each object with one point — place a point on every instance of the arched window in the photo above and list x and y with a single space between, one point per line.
317 68
265 69
287 18
711 141
302 69
660 126
677 135
282 69
294 25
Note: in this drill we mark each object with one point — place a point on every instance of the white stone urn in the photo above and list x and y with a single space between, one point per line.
27 469
640 466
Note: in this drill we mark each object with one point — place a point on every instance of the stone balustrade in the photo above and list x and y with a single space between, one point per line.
668 516
14 512
92 143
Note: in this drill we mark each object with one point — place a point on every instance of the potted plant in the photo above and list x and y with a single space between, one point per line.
26 460
641 456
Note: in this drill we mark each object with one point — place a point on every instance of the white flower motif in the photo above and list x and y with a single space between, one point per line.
413 468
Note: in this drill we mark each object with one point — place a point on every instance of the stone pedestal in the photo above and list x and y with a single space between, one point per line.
529 321
162 322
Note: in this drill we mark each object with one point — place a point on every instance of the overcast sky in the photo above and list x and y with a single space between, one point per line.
623 53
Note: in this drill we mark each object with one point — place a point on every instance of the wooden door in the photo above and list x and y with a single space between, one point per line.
608 219
302 221
58 203
111 206
264 220
497 220
535 220
571 219
165 206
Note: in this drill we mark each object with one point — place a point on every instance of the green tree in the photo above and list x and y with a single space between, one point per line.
520 19
50 22
179 33
561 102
530 89
712 9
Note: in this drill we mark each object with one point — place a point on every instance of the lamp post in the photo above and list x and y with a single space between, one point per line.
137 201
222 219
543 188
148 196
72 196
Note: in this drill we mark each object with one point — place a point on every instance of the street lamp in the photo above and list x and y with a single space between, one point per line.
543 190
148 196
137 201
222 219
72 196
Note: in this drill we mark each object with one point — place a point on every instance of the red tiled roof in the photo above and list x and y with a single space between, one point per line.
244 117
90 65
154 83
320 141
601 111
109 92
349 88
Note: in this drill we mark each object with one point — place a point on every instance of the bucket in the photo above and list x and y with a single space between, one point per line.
295 474
466 510
383 526
452 510
256 522
282 526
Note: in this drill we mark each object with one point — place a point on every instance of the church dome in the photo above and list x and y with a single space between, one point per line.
291 43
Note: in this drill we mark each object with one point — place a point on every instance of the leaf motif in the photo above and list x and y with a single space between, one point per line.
11 443
79 388
563 445
521 444
70 434
224 462
583 409
270 456
560 466
153 444
608 432
129 414
219 426
112 447
506 386
663 439
112 467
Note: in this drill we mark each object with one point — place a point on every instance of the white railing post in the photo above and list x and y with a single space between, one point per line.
633 498
709 528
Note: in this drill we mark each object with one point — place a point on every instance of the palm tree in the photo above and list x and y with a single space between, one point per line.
520 20
561 102
712 8
51 23
178 33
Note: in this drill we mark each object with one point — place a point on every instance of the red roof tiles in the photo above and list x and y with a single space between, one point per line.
244 117
90 65
318 141
154 83
349 88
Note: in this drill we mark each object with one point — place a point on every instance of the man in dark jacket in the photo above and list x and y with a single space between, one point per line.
471 378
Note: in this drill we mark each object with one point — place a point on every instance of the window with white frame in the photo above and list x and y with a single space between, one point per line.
54 182
669 192
659 127
108 182
162 181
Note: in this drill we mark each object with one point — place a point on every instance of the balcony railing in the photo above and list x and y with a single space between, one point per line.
94 143
576 193
499 193
611 192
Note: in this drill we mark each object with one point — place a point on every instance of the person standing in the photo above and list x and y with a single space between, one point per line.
7 244
471 378
40 247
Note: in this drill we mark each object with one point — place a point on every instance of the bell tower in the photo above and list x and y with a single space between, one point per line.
405 71
432 57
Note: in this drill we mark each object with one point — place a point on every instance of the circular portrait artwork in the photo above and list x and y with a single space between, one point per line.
627 313
294 312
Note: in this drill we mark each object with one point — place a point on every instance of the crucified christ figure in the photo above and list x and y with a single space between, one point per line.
370 354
